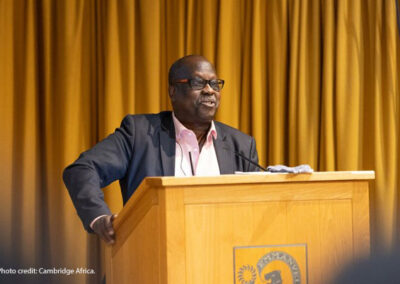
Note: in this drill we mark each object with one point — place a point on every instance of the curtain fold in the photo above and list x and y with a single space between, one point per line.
313 81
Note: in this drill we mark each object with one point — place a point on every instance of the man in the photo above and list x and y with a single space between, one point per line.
184 142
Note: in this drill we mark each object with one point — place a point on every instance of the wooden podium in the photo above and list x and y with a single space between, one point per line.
241 228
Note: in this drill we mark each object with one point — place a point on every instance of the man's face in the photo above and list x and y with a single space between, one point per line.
195 106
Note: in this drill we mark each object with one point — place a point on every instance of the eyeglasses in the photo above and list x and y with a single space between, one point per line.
199 83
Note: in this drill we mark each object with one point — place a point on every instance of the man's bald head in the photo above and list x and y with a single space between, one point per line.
184 67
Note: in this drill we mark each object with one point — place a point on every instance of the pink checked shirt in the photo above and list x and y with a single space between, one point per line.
205 163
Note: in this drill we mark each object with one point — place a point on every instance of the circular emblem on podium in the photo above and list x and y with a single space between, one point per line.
247 274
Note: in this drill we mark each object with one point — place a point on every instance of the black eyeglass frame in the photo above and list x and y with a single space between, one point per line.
211 83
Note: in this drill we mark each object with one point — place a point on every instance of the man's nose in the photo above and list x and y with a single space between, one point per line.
207 88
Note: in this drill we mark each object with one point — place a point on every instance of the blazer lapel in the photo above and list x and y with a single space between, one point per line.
167 144
224 156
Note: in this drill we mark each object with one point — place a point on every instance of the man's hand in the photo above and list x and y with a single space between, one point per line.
104 229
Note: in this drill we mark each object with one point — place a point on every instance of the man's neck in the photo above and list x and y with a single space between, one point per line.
199 129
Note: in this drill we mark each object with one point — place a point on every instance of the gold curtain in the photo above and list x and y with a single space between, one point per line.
314 81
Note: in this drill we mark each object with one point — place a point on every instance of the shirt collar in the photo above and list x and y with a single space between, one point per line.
180 129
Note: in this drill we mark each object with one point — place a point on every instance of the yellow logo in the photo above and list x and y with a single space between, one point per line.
271 264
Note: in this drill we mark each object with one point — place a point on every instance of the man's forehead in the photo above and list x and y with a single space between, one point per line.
198 67
205 74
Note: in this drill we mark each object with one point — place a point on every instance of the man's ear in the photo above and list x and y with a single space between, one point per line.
171 92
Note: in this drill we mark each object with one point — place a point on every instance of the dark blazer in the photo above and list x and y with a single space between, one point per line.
144 145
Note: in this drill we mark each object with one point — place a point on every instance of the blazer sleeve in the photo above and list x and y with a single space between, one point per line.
106 162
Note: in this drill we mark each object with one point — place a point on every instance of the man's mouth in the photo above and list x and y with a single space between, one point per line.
208 102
